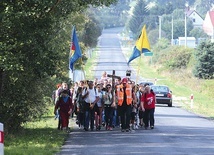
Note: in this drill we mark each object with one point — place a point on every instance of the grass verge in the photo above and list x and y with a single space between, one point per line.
182 85
36 138
42 137
89 66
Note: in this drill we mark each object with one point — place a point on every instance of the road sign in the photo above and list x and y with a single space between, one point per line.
148 54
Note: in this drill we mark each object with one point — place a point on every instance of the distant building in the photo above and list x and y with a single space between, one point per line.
196 18
208 25
191 41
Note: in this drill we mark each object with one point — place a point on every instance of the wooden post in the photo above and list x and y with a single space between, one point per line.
191 101
1 139
113 76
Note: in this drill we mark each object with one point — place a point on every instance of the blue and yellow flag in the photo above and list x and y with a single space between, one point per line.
141 46
75 51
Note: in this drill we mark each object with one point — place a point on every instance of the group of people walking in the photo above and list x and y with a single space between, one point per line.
99 104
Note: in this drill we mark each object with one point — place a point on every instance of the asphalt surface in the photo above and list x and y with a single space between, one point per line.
111 55
176 132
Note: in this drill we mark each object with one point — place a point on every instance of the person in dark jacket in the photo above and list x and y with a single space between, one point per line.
64 105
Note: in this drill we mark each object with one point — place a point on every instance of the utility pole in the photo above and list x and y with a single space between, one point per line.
185 29
160 26
186 10
172 32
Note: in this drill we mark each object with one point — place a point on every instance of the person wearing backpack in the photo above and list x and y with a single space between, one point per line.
99 108
80 107
108 107
90 97
139 94
55 97
134 116
148 101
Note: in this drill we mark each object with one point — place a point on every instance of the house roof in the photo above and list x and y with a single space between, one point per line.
189 12
211 13
208 24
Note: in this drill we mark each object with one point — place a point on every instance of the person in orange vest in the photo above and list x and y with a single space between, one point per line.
125 96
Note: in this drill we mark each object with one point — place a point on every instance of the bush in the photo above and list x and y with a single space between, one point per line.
23 101
204 68
174 57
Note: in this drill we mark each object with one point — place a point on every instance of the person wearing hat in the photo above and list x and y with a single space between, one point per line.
125 97
64 106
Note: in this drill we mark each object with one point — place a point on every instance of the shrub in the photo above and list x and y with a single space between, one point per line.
204 68
174 57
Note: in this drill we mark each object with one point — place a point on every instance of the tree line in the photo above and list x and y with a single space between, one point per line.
34 51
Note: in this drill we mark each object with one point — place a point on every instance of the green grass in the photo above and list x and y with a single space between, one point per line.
37 138
42 137
182 84
89 66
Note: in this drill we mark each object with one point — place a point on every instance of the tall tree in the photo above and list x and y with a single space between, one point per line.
198 33
202 6
177 4
204 67
32 46
92 32
138 17
113 16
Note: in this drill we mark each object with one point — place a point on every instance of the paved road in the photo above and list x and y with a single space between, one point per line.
111 56
176 132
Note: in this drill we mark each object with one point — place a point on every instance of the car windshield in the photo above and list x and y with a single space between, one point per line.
160 89
149 83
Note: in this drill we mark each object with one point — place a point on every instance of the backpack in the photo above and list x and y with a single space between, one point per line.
94 90
102 99
81 101
109 99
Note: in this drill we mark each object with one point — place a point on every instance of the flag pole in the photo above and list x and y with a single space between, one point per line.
82 67
70 49
138 71
139 61
141 46
76 51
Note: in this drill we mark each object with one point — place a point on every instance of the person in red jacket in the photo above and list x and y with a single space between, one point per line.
64 105
148 101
